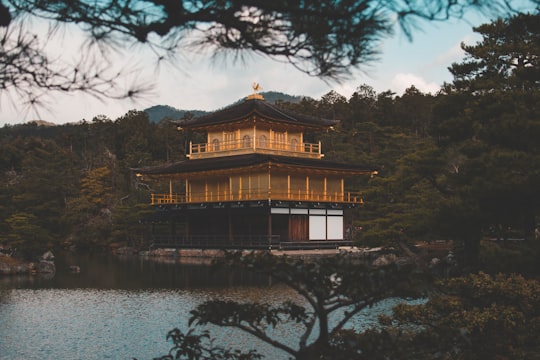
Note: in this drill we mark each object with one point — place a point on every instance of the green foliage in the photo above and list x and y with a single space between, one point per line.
323 38
510 257
507 57
127 228
69 181
486 129
96 186
472 317
39 180
26 235
191 346
478 316
333 289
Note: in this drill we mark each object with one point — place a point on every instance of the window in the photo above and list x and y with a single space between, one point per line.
229 139
246 142
262 141
215 145
294 145
279 138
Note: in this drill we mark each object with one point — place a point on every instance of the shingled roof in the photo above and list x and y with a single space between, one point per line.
239 161
263 109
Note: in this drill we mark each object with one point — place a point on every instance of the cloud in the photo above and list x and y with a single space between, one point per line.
199 81
209 86
401 81
451 55
455 53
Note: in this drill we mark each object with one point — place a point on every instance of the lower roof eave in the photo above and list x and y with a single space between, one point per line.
247 204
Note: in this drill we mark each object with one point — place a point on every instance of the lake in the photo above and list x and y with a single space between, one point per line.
123 307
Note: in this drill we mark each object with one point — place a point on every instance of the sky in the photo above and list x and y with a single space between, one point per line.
199 83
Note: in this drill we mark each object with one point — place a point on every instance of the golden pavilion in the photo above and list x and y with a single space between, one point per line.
254 183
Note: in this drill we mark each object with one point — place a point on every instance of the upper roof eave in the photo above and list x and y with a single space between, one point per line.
249 107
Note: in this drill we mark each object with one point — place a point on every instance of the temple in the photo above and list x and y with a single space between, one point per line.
253 183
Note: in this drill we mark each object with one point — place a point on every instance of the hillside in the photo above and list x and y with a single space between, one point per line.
275 96
159 112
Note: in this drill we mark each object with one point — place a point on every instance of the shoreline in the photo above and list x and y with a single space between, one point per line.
217 253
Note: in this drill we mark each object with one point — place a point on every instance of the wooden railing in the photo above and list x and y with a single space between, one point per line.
202 150
347 197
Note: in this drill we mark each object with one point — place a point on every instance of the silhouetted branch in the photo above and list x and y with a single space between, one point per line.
321 38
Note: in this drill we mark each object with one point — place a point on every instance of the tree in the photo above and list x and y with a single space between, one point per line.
390 133
470 317
414 110
324 39
96 187
72 184
478 316
505 59
486 125
26 235
334 290
43 178
399 201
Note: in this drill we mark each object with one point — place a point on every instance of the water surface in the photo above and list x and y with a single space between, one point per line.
122 308
115 308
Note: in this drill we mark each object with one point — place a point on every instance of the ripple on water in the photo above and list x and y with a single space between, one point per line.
98 324
123 324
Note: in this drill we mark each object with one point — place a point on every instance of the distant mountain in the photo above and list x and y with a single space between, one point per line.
275 96
159 112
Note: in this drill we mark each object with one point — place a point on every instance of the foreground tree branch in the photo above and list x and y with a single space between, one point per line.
321 38
333 290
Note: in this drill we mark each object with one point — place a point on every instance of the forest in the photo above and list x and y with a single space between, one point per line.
462 164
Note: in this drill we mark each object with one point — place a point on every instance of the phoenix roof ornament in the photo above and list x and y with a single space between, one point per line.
256 88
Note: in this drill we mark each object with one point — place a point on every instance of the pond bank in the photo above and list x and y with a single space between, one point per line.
13 266
217 253
378 256
10 266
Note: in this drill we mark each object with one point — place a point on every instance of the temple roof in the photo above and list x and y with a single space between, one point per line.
256 106
240 161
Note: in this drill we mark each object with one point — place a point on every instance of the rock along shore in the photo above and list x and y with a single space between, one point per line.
216 253
11 266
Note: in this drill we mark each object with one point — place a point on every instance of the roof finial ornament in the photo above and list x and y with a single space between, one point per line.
256 88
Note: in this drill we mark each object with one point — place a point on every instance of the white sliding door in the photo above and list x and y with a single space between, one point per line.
317 228
335 227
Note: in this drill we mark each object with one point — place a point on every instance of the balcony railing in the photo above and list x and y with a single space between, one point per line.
237 147
347 197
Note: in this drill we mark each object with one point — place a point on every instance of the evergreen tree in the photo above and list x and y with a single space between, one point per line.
46 177
487 126
472 317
